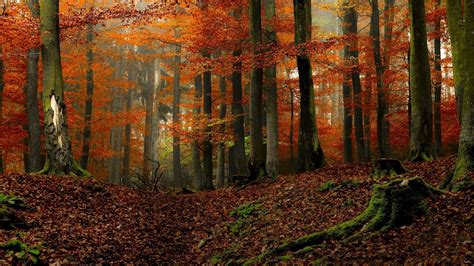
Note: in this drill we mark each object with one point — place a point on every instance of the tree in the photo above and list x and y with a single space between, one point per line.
382 107
221 145
257 149
462 176
437 84
454 10
270 73
207 108
196 155
420 86
32 111
2 85
176 120
310 153
86 135
59 160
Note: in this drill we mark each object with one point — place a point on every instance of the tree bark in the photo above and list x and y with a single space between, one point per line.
257 149
178 178
270 73
86 135
128 135
207 108
382 109
238 113
32 111
58 144
196 155
221 146
437 85
310 153
2 84
420 79
454 11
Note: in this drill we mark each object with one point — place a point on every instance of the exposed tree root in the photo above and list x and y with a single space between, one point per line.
460 178
394 204
387 167
419 156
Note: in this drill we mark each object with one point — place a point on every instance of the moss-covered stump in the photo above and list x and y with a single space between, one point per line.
393 204
387 167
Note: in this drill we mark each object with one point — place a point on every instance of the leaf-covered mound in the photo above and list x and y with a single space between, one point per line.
86 221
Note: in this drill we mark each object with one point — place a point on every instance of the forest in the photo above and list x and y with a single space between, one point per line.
236 132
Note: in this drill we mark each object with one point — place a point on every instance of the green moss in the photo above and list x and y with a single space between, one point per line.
286 257
12 201
331 185
22 253
229 256
242 215
327 186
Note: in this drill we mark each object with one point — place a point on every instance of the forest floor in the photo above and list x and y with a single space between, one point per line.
86 221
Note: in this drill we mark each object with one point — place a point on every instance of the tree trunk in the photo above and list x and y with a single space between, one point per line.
58 144
347 24
420 79
463 174
32 111
382 109
270 73
238 113
437 85
128 136
207 108
178 178
454 11
86 139
367 120
257 149
196 157
310 153
149 107
221 147
1 103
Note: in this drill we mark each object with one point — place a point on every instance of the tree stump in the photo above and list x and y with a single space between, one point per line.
393 204
387 167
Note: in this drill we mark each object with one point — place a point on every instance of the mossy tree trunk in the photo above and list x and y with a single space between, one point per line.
421 140
394 204
310 153
454 11
257 149
60 160
462 177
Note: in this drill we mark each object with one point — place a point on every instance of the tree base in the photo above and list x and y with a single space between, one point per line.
419 156
76 170
387 167
394 204
459 179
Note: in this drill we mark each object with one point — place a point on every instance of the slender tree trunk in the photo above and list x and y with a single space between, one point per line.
420 79
1 104
347 24
207 108
58 144
382 109
178 178
367 120
196 157
32 111
292 128
221 147
238 113
86 139
437 85
116 142
454 11
310 153
388 39
128 135
271 95
149 107
257 149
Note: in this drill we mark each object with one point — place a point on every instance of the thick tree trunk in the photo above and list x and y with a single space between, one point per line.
207 108
454 11
178 178
382 108
437 85
270 73
257 149
420 79
32 111
196 154
221 147
58 144
310 153
238 113
464 172
86 135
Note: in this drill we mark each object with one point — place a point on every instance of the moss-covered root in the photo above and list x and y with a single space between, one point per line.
461 178
76 170
387 167
419 156
393 204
